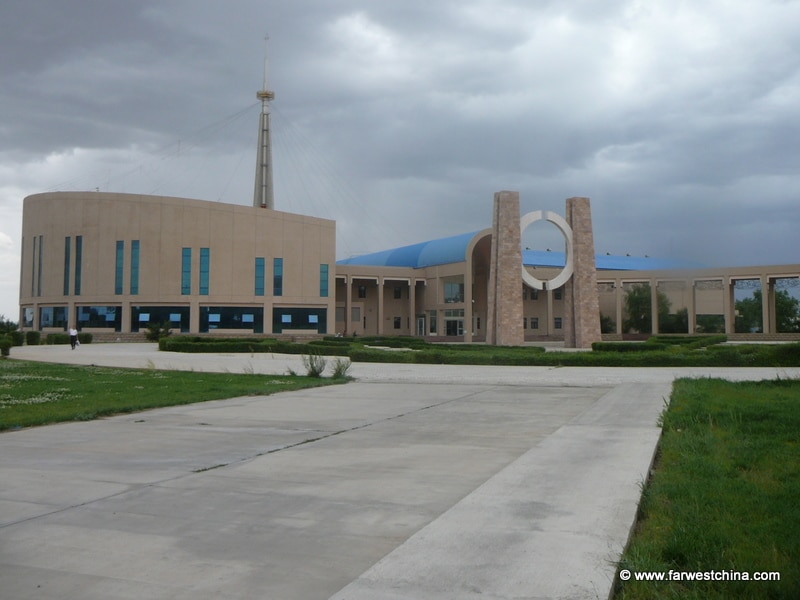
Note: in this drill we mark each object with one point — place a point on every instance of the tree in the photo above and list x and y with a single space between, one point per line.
6 325
639 311
674 323
749 314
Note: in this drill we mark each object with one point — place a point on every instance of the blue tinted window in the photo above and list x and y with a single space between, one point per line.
78 265
277 277
118 267
67 244
259 277
205 256
323 281
134 267
186 272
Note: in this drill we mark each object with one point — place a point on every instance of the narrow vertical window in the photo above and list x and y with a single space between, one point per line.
78 261
259 276
134 267
119 267
33 269
67 244
205 255
186 272
277 277
323 281
39 274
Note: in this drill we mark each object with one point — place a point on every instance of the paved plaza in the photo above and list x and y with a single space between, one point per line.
415 482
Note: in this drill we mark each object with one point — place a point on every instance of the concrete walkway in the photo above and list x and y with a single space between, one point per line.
415 482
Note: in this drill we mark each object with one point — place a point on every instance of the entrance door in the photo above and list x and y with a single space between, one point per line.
421 326
454 327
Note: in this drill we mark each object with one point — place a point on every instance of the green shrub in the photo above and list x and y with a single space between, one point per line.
156 331
628 346
428 357
665 351
314 364
5 345
57 338
17 337
393 342
85 338
33 338
332 341
690 341
787 355
380 356
340 367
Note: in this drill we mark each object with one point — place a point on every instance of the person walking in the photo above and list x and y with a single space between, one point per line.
73 337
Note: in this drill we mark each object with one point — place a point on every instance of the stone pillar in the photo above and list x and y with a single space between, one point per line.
581 301
504 311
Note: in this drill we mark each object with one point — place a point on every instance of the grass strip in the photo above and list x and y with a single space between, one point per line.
723 495
33 393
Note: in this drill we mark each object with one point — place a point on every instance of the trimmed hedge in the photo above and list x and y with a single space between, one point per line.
33 338
245 345
56 338
628 347
5 345
662 342
692 351
694 341
63 338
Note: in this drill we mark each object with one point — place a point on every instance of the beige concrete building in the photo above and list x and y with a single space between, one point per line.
114 263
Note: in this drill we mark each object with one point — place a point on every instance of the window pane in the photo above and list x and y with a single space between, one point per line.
259 277
78 261
134 267
66 265
323 281
118 266
277 277
186 272
205 260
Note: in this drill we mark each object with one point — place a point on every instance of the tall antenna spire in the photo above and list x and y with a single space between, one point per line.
262 196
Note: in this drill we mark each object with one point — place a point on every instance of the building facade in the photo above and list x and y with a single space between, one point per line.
439 289
116 263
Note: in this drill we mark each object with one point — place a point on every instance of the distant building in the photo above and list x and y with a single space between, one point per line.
114 263
439 289
118 262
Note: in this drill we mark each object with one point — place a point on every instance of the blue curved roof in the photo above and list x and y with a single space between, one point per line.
425 254
607 262
454 249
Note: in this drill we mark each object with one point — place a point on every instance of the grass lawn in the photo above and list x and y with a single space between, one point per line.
724 495
33 393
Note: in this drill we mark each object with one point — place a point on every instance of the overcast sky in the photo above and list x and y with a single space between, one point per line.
400 119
